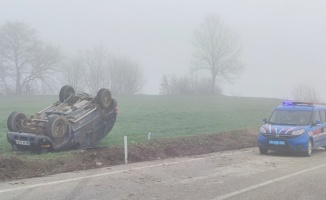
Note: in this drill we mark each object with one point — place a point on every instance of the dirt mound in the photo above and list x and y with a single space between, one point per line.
19 167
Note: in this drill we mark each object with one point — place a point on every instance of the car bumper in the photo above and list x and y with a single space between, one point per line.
29 141
297 144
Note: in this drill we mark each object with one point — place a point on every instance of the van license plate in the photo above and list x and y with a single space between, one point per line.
23 142
276 142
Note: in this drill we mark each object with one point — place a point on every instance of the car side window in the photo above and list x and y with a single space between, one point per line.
322 116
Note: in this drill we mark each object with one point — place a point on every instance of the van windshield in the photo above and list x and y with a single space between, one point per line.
291 117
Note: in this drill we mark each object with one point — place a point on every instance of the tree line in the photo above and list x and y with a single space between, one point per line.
93 69
28 66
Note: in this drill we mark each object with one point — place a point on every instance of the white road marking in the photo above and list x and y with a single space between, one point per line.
97 175
266 183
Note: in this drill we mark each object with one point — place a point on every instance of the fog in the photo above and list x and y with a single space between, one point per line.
283 41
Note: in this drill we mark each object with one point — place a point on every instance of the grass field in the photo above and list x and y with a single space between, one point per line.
162 116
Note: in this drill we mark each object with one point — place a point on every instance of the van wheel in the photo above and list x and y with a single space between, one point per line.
65 92
103 98
263 151
309 149
15 121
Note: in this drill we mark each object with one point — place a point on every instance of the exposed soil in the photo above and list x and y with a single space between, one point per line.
19 167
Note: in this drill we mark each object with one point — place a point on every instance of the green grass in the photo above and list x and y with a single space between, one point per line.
163 116
173 116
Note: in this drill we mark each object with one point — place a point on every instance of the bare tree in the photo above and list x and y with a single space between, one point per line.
306 93
217 50
125 76
100 69
94 64
73 72
164 85
26 63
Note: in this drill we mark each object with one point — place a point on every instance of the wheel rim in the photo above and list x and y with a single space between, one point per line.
68 93
19 121
106 98
59 129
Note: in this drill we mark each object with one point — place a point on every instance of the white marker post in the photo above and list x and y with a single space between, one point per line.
126 149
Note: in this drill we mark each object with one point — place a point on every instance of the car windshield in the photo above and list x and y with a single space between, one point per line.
290 117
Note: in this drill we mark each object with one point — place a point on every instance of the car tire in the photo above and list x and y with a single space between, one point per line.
57 127
308 151
14 121
103 98
65 92
263 151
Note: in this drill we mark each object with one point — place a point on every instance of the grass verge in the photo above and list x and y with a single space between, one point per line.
22 166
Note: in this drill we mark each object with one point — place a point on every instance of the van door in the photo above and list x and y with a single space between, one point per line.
317 130
322 134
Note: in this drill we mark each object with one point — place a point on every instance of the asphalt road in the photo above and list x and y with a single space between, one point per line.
243 174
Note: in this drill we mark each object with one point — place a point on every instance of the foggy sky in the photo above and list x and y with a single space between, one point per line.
283 41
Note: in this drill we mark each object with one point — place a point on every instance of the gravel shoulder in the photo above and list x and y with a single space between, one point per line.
20 167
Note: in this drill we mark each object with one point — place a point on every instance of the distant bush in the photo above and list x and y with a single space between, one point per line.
186 84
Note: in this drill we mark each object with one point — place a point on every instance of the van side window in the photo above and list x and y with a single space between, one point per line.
316 116
322 116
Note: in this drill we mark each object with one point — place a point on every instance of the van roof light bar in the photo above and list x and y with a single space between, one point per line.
293 103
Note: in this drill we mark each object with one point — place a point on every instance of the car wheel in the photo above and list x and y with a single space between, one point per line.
65 92
15 120
263 151
103 98
309 149
57 127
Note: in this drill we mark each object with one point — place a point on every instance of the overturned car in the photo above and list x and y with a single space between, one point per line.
75 121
